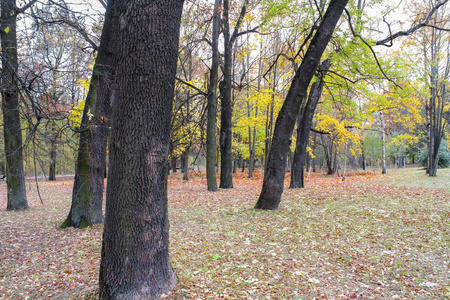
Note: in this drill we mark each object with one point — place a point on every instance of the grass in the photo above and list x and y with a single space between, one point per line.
385 239
417 178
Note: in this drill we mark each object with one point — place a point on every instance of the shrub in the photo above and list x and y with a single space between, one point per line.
444 156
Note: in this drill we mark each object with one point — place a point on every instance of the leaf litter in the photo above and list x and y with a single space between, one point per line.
368 237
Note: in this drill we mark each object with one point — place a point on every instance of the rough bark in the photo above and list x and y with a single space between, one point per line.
226 135
87 194
435 107
15 180
226 156
273 184
304 127
211 124
135 260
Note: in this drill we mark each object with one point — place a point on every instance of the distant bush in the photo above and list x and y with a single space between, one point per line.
444 156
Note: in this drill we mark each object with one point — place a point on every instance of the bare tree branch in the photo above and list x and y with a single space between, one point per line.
192 86
103 3
27 6
392 37
76 26
253 30
239 21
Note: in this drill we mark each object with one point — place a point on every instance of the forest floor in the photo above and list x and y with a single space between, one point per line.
371 236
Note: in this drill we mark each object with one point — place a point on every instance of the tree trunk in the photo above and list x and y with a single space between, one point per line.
274 172
252 143
52 167
53 153
226 134
87 194
434 164
269 119
304 126
15 179
174 162
363 156
330 156
383 141
135 260
226 156
212 102
185 163
436 111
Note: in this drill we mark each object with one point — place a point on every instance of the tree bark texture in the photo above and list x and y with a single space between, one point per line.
135 260
226 135
304 127
226 156
87 194
211 125
273 184
15 180
435 111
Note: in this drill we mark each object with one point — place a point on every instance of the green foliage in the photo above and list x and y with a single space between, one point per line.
444 156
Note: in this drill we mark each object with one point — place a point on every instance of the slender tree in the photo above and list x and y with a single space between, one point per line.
304 127
437 60
135 259
226 156
87 194
275 169
211 124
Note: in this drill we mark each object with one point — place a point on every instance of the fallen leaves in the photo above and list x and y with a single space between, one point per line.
361 238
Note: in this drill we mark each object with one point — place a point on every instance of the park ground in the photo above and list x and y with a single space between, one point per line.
371 236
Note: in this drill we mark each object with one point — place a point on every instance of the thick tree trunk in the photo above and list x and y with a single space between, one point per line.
274 172
226 156
135 260
87 194
15 180
211 124
304 127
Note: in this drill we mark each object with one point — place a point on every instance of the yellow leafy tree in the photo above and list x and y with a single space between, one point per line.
342 133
